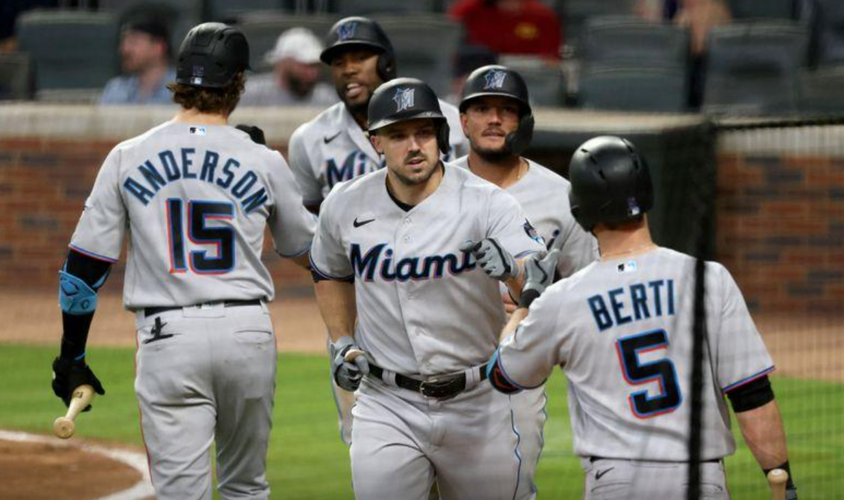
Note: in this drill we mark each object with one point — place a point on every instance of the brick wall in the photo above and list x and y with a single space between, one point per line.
780 229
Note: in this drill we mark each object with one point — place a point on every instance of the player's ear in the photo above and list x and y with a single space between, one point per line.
375 140
464 120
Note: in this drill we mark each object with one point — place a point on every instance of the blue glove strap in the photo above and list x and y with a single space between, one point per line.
75 296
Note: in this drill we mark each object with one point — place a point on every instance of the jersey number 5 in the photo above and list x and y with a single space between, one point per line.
200 212
637 373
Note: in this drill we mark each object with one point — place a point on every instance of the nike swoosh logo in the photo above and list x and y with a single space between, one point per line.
600 474
361 223
328 139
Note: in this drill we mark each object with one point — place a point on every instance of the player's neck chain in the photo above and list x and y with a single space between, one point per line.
636 249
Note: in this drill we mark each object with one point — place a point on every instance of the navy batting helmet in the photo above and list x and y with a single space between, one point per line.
407 99
356 32
610 182
495 80
211 55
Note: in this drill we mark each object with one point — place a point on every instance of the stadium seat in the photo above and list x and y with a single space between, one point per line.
576 12
366 7
753 68
262 29
655 89
829 32
764 9
70 49
821 91
15 76
226 10
426 47
630 40
182 15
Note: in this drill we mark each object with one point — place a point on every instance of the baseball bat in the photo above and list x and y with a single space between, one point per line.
351 354
776 480
63 427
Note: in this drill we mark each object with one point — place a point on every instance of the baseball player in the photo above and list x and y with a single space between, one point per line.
401 253
621 330
194 196
333 146
497 119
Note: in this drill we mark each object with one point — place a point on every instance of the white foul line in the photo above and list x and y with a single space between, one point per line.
137 461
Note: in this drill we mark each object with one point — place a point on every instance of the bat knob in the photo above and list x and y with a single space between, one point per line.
63 427
351 354
777 476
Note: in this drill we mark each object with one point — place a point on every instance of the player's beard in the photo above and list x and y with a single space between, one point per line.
497 155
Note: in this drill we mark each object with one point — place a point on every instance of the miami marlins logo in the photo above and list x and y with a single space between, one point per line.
495 79
404 99
347 31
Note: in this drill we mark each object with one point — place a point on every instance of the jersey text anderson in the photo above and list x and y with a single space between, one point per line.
183 166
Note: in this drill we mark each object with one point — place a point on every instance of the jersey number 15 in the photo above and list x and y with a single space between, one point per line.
637 373
200 212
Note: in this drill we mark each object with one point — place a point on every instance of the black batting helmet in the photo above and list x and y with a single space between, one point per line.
358 32
211 55
610 182
407 99
495 80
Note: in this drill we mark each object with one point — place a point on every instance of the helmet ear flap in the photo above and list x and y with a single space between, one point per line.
442 137
518 141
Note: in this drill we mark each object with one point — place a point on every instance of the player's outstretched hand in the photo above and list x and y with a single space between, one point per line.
255 133
68 374
348 374
539 274
494 260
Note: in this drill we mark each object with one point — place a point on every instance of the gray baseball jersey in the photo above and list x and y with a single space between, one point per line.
621 330
423 306
544 196
332 148
194 200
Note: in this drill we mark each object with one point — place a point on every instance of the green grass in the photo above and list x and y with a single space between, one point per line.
308 460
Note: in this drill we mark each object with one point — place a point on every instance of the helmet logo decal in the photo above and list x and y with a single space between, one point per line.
197 72
347 31
495 79
633 207
404 99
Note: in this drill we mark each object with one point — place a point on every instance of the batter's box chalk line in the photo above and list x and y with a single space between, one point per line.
137 461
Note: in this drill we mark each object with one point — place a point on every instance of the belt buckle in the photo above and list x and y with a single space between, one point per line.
442 388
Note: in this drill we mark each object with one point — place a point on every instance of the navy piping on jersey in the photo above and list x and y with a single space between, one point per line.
297 254
326 276
496 360
747 380
93 255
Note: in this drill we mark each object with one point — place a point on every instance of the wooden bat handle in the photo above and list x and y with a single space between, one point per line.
776 480
63 427
351 354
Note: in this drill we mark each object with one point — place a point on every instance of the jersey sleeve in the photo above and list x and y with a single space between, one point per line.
740 354
291 225
328 256
508 224
528 356
100 231
303 171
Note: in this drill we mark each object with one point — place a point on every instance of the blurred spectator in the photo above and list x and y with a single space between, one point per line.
294 80
699 16
145 58
9 12
511 26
